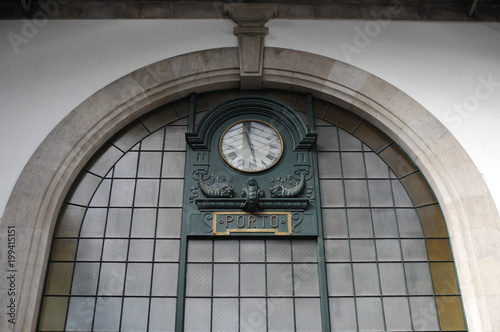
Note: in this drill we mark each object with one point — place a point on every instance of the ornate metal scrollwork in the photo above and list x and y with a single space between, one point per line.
210 191
279 190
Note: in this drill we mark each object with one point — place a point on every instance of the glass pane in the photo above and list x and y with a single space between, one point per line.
153 141
101 196
252 251
169 223
162 315
85 279
63 250
122 193
332 193
199 280
337 251
401 197
80 314
356 193
334 223
342 314
253 315
329 165
165 279
278 251
327 139
279 280
141 250
138 279
111 280
380 193
118 223
370 314
173 165
305 279
107 314
143 223
339 279
149 165
397 314
308 314
85 188
59 278
135 314
70 221
375 166
89 250
200 251
360 223
409 224
197 314
423 313
414 250
174 138
348 142
388 250
304 251
280 314
363 250
115 250
225 315
384 223
253 279
366 279
225 280
353 165
171 193
93 224
53 315
167 250
392 279
226 251
418 278
146 193
127 166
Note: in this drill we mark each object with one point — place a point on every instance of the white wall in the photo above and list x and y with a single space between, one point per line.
47 71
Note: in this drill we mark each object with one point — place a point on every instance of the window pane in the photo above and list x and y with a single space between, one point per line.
253 279
392 279
226 251
167 250
143 223
197 315
332 193
418 278
305 279
384 223
107 314
308 314
200 251
356 193
388 250
380 193
199 280
89 250
334 223
225 315
280 314
304 251
337 251
138 279
353 165
423 313
225 280
141 250
149 165
165 279
80 314
360 223
397 314
278 251
94 222
122 193
339 279
135 314
414 250
279 280
118 222
342 314
146 193
366 279
252 251
370 314
363 250
253 315
169 223
85 279
162 315
174 168
409 224
112 278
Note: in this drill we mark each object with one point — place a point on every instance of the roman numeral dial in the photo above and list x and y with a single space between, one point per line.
251 146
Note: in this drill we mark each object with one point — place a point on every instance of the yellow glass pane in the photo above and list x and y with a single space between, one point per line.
438 249
397 161
59 279
418 189
53 314
432 221
70 221
342 118
451 317
372 137
63 250
443 278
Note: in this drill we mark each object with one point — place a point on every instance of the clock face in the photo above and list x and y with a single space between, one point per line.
251 146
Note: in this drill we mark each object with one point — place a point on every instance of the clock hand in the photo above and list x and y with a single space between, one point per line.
252 150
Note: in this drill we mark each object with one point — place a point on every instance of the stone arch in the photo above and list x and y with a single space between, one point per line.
471 216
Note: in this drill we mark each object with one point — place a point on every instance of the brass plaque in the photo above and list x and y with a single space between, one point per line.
278 223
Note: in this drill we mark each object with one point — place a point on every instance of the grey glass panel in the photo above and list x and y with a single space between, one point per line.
101 196
199 280
127 166
356 193
252 280
149 165
363 250
392 279
94 222
143 223
225 280
225 315
89 250
87 184
278 251
423 313
175 139
169 223
353 165
226 251
162 315
118 222
146 193
375 166
332 193
165 279
334 223
342 314
370 314
171 193
135 314
304 251
414 250
200 251
337 251
397 314
153 141
141 250
197 314
308 314
279 280
401 197
366 279
252 251
348 142
85 279
107 314
253 315
418 278
122 193
327 139
80 314
129 137
167 250
138 279
115 250
409 223
173 165
106 158
111 280
380 193
388 250
339 279
360 223
280 315
329 165
384 223
305 279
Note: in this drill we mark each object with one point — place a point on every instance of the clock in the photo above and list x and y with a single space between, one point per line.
251 146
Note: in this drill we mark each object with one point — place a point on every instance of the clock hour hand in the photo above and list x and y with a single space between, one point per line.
250 144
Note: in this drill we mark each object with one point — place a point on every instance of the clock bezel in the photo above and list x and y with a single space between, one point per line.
249 171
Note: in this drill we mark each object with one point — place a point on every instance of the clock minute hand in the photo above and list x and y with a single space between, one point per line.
250 144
